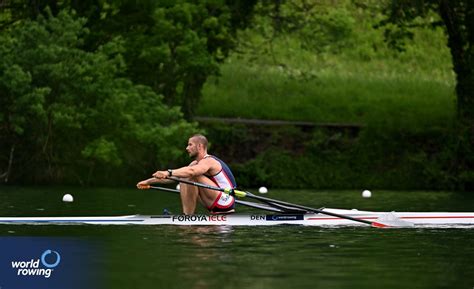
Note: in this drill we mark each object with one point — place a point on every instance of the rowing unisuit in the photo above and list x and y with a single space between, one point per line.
223 179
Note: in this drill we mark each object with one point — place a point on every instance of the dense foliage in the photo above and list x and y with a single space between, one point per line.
94 91
68 114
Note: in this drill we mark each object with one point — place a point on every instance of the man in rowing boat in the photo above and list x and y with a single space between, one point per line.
206 169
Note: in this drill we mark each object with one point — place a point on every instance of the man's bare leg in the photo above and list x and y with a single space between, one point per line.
189 195
207 196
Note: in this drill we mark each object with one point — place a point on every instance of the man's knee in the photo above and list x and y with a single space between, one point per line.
188 188
203 180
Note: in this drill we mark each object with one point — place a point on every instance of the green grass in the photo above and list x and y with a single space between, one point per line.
248 92
360 84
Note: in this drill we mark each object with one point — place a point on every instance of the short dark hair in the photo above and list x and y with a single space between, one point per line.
201 139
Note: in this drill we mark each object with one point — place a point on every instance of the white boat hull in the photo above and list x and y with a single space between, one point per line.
419 219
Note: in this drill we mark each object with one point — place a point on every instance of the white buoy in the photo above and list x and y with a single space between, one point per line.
68 198
262 190
177 187
366 194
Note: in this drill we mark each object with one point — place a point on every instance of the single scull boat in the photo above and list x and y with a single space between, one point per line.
417 219
283 213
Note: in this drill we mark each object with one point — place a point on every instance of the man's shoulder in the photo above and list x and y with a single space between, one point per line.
204 161
212 158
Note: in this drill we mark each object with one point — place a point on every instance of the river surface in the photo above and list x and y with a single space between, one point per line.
240 257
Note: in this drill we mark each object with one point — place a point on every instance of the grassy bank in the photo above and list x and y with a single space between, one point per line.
399 101
335 89
364 81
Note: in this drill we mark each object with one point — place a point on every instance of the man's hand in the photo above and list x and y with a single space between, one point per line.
161 175
143 185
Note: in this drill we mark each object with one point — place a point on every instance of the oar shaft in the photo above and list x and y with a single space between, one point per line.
250 195
309 209
199 185
165 189
280 207
243 203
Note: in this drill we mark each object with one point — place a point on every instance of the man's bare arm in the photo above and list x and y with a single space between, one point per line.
145 183
187 172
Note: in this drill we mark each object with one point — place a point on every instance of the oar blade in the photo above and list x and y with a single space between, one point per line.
379 225
390 220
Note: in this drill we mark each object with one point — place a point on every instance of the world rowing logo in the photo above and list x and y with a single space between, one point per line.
49 265
44 266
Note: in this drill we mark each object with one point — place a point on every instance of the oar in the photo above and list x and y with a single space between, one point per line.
243 203
274 207
242 194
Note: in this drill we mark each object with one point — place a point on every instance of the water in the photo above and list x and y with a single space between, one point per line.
256 257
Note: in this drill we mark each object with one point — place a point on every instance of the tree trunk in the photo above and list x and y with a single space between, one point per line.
5 176
192 94
458 17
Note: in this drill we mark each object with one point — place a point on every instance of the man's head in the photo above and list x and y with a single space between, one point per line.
197 144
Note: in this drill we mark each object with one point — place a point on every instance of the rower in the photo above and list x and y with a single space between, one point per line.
206 169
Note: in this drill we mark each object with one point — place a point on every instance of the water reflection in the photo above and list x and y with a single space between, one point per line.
201 235
207 248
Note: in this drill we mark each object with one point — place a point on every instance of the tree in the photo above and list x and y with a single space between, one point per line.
67 111
175 46
171 46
